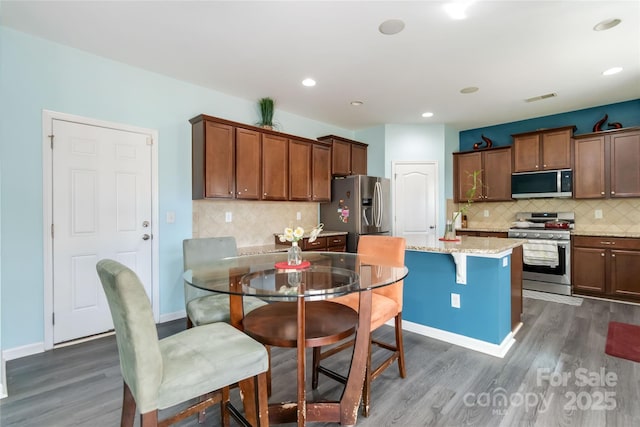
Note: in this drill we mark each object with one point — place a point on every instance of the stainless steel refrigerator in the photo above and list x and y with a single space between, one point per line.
360 205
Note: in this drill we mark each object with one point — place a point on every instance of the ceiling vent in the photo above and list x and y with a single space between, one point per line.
541 97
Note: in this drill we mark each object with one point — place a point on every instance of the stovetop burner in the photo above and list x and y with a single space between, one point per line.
535 225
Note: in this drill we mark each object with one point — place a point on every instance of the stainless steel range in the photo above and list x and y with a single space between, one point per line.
547 250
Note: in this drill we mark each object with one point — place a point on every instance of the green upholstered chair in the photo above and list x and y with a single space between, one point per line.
206 307
199 363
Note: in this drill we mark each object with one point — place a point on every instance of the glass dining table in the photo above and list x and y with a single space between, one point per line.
300 314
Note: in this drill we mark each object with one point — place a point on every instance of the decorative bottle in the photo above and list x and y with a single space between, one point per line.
294 254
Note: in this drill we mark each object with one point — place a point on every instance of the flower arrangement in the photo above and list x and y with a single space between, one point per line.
294 235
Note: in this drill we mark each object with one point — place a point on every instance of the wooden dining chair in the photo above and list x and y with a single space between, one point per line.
205 307
386 304
198 362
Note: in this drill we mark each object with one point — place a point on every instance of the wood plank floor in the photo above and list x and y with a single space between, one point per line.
80 385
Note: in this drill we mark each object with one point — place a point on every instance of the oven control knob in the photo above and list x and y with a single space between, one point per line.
536 235
551 236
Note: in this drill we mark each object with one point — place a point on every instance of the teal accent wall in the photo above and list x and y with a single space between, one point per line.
485 301
36 74
627 113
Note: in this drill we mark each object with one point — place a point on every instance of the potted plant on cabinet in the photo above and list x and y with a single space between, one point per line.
266 106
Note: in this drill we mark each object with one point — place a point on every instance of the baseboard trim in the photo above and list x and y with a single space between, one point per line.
25 350
496 350
173 316
3 379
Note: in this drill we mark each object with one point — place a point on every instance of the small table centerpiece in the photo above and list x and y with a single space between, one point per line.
294 254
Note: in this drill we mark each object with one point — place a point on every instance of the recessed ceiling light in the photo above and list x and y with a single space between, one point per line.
391 27
457 9
610 71
470 89
309 82
427 114
356 103
606 24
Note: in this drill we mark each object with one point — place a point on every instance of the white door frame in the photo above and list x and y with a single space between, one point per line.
394 165
47 207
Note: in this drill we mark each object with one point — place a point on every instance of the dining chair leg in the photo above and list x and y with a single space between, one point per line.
400 346
189 323
128 407
263 400
366 389
315 365
268 376
224 414
149 419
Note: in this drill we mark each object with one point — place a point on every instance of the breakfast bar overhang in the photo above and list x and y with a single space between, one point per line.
480 275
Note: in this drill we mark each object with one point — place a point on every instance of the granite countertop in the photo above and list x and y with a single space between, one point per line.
467 244
324 233
607 233
494 229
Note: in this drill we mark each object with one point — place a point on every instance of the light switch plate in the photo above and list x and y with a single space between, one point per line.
298 215
227 217
455 300
171 217
486 213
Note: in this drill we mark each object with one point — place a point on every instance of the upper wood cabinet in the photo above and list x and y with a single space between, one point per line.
236 161
213 160
607 164
348 157
495 176
321 172
300 153
547 149
248 158
275 167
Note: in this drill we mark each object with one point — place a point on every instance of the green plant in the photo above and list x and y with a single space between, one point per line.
266 111
470 194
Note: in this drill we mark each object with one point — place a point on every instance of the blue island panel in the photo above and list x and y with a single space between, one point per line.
485 301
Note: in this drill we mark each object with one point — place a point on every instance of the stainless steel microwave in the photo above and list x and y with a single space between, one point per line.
553 183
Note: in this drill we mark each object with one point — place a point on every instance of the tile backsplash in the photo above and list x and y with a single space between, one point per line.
618 215
253 223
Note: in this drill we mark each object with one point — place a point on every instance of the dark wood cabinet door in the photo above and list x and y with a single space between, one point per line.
219 161
589 270
556 149
464 164
496 176
248 164
358 159
275 167
299 170
321 173
341 158
625 273
625 164
589 171
526 153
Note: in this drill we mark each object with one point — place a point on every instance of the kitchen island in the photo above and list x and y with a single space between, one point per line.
482 276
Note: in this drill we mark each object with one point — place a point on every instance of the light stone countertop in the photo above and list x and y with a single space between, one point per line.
324 233
467 244
266 249
614 233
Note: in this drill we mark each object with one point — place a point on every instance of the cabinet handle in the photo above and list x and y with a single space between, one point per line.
613 192
544 166
264 194
602 254
607 243
602 192
230 192
536 166
613 255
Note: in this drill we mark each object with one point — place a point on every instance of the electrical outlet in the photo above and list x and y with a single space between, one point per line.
228 217
597 214
486 213
298 216
455 300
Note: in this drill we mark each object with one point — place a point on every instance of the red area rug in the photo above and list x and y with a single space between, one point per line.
623 340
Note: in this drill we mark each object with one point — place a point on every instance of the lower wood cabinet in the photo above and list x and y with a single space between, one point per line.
606 267
501 234
336 243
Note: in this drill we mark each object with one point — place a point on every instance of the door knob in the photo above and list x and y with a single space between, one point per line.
145 224
146 237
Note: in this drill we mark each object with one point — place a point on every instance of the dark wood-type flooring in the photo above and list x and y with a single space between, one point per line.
553 376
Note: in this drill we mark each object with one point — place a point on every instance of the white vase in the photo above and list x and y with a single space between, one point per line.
294 254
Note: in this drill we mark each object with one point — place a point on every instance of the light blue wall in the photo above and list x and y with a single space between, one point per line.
375 137
419 143
36 74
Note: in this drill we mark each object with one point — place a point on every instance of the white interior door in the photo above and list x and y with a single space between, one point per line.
101 208
415 201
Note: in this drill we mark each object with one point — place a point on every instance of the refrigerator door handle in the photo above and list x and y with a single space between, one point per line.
378 205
